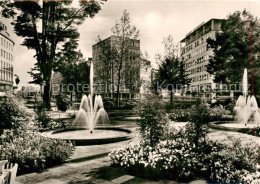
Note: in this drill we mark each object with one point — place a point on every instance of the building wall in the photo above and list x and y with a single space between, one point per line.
196 55
7 59
105 72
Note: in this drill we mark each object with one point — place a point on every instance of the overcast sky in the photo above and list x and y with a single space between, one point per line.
154 18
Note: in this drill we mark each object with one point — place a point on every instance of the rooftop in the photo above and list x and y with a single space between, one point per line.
198 27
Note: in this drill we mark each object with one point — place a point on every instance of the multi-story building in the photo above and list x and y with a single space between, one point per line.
196 56
7 59
133 74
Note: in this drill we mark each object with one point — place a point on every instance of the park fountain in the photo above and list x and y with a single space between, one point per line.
90 113
246 108
247 114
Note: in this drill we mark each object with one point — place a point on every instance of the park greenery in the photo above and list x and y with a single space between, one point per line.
21 142
232 48
73 68
185 154
171 74
163 152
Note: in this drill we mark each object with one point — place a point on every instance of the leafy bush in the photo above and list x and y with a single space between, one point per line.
227 103
12 112
21 143
216 113
33 152
109 104
152 123
61 102
43 120
199 120
180 105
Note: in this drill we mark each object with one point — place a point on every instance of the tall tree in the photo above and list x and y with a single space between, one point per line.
46 26
232 47
171 74
116 55
73 68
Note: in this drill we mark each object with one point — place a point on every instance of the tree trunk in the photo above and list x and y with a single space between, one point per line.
117 96
71 98
171 100
46 94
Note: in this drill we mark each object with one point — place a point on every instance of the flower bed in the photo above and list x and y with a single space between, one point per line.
31 151
179 160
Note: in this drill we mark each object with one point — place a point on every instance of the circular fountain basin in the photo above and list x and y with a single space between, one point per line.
83 136
234 126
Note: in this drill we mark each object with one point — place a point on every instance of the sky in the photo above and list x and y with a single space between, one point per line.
155 19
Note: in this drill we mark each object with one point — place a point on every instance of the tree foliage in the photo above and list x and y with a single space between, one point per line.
47 26
171 74
231 47
73 67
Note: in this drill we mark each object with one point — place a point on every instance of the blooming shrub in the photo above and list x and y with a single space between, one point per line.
13 112
169 159
181 160
45 123
180 115
32 151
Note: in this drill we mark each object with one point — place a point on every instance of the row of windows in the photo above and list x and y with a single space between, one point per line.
201 50
197 61
7 44
7 55
6 66
197 52
7 76
196 43
200 78
197 70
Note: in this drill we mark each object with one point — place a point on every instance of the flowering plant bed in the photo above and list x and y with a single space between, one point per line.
179 160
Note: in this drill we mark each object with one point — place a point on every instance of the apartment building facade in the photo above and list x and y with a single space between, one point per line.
7 59
196 56
134 77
